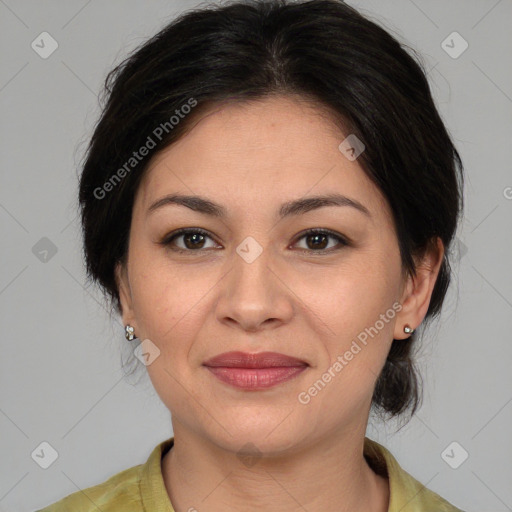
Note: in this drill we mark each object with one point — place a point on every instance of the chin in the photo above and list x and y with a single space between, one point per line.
271 433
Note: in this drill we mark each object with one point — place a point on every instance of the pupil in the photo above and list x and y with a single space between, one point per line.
193 236
316 238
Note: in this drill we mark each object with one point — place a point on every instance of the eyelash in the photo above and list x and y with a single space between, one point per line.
343 241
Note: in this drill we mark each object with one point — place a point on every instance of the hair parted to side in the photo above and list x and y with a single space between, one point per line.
323 51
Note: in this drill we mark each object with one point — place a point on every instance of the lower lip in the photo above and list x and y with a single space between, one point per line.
255 378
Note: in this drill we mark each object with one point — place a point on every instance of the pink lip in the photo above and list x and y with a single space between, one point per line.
258 360
254 371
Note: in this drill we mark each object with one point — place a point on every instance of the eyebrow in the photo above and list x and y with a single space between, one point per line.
290 208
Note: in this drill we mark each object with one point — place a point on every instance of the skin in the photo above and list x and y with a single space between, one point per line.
293 298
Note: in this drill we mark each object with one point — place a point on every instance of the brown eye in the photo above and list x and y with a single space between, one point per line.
193 240
190 240
318 240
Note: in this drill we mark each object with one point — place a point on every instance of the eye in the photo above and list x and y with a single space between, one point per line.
193 240
318 240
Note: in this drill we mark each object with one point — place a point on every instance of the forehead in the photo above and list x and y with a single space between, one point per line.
263 152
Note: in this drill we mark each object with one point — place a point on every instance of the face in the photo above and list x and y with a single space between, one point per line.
245 276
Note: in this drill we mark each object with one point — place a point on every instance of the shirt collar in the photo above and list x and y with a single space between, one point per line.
403 488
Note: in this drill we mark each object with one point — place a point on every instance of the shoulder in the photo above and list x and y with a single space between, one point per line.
119 492
136 489
420 498
406 493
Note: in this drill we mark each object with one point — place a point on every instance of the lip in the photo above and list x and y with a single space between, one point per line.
254 371
258 360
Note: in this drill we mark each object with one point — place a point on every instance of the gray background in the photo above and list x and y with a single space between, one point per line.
60 370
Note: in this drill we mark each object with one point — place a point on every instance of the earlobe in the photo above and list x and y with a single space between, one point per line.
418 290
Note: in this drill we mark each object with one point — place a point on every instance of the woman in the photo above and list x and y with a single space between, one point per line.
268 200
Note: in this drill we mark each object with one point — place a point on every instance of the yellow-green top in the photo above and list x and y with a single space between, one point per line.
141 488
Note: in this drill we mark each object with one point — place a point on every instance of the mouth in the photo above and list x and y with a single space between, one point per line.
258 360
255 371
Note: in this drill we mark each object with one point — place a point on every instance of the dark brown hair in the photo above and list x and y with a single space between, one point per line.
322 50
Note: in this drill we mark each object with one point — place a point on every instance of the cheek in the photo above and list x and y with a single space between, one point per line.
162 300
360 322
167 307
350 298
355 312
170 302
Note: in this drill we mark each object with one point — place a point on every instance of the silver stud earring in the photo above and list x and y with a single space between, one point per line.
408 329
128 332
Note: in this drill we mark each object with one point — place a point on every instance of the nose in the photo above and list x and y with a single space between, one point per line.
254 296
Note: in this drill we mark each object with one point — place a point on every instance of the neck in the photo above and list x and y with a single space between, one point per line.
330 474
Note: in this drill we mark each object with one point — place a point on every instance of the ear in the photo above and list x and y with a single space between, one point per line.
417 291
125 295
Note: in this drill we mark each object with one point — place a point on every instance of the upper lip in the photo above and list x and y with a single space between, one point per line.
258 360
